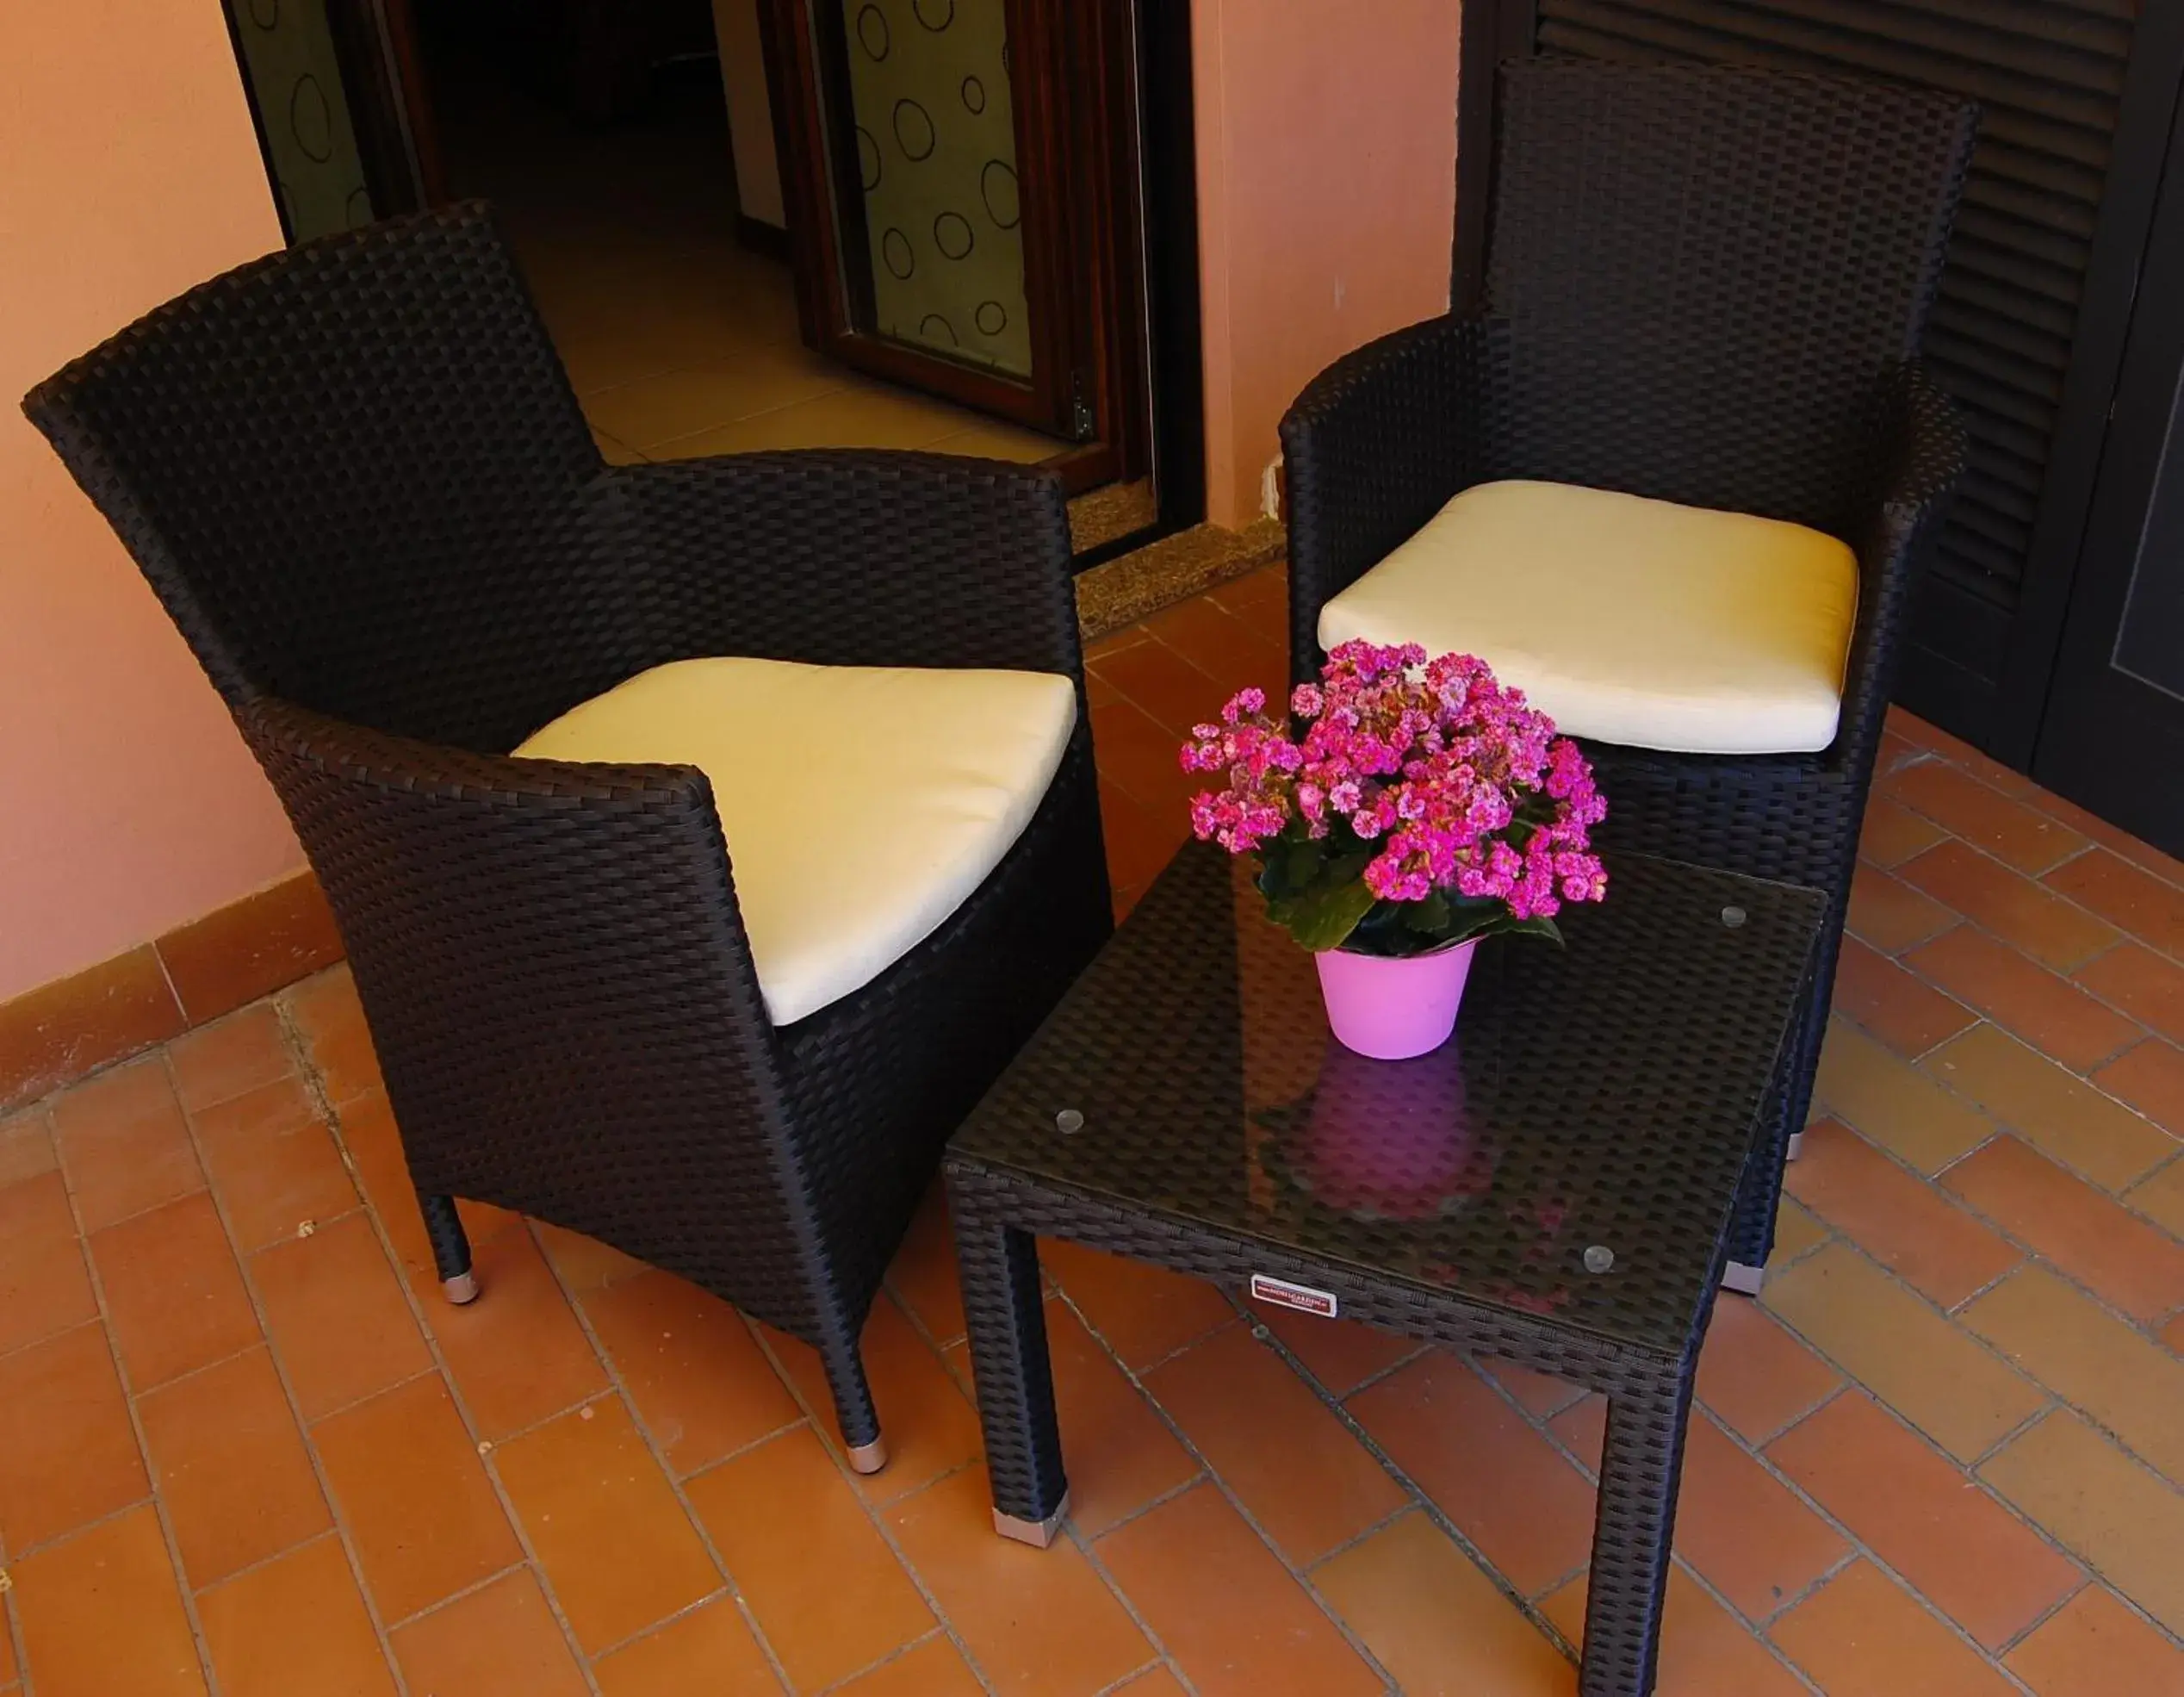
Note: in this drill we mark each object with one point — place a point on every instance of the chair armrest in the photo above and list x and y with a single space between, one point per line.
1375 446
851 557
1919 452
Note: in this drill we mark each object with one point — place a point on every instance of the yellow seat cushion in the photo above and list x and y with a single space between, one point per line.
861 806
1629 620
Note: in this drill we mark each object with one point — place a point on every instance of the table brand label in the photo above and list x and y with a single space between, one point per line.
1302 1297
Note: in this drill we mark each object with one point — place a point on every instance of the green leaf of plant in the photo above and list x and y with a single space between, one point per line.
1323 918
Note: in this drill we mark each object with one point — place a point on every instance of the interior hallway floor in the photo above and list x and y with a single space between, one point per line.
246 1448
679 341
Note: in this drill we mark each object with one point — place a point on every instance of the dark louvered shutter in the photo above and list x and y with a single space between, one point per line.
2049 76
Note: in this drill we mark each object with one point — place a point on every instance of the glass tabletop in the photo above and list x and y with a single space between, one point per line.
1574 1151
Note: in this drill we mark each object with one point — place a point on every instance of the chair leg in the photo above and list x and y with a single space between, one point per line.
451 1249
854 1407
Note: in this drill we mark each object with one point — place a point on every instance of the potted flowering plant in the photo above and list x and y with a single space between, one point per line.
1422 807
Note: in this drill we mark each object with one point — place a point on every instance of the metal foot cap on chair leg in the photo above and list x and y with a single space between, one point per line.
461 1290
1745 1281
1037 1533
1796 1145
868 1458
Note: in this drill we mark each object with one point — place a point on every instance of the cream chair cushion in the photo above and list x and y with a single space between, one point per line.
1630 621
862 805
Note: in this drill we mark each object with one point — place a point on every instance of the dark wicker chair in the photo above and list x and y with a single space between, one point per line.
1705 285
357 476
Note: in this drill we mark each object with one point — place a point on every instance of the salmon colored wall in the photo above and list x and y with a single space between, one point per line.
129 170
1326 197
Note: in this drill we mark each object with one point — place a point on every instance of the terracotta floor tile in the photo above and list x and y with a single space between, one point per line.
584 1264
2094 1240
336 1039
243 1051
2134 900
44 1287
923 1275
2150 1078
2049 1012
230 1467
1297 1469
174 1295
1705 1652
337 1317
2054 1112
502 1641
1903 1011
1862 1635
68 1453
1895 1104
408 1480
1797 1229
2007 903
1525 1508
273 1163
2173 1335
1120 1453
2162 1197
2113 838
1041 1622
1901 1221
932 1668
833 1599
2142 983
1924 1516
2086 1355
929 1424
1913 1359
517 1354
27 1147
1145 1314
1893 833
2125 1520
1755 1376
2018 836
2094 1646
1222 646
101 1615
1538 1394
708 1652
1168 686
698 1379
295 1628
1749 1537
1342 1354
123 1144
1890 914
1186 1565
1435 1622
1140 839
1135 753
603 1524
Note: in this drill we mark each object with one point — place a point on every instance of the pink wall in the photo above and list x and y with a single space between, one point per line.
1326 195
129 170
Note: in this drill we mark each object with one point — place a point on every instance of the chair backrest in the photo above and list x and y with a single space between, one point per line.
356 474
1705 269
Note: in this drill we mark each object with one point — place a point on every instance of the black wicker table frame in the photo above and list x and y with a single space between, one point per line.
1558 1186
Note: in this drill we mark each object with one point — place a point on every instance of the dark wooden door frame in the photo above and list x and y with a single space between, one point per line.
1495 30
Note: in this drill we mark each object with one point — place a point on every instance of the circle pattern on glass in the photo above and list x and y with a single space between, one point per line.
867 159
953 235
974 95
871 33
933 325
991 318
997 187
895 253
310 120
914 130
935 14
265 13
359 209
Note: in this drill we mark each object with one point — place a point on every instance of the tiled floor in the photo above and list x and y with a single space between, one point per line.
680 341
243 1446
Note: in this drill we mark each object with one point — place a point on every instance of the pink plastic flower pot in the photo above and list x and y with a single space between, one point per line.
1392 1009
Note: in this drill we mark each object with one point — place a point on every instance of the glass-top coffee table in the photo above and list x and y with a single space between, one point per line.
1556 1185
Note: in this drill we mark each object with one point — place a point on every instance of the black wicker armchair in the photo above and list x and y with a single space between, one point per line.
1705 286
357 476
